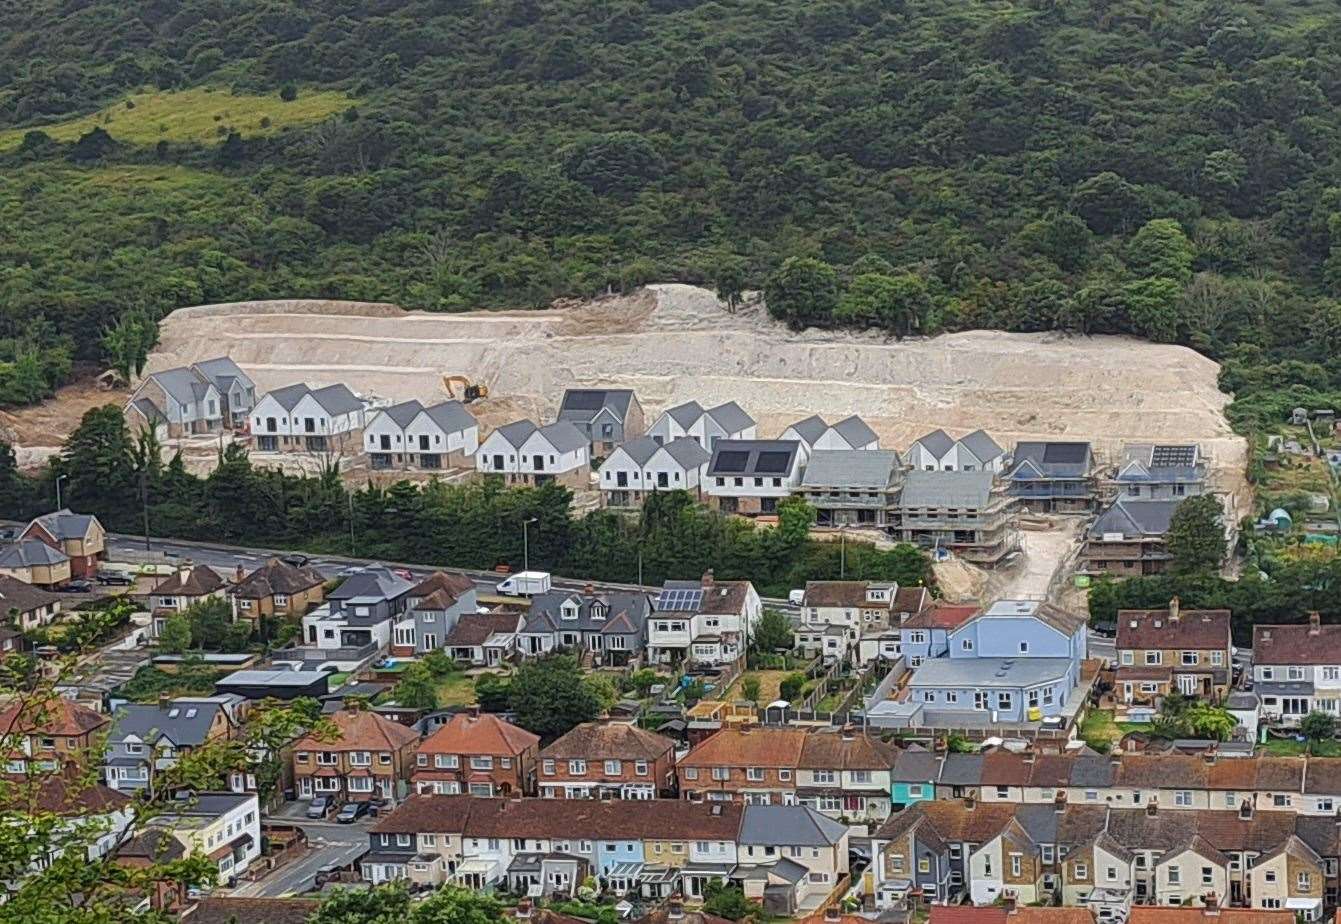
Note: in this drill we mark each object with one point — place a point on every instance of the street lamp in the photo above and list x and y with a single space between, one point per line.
59 479
526 544
350 495
842 552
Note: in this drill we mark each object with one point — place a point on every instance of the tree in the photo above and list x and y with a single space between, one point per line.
726 901
416 688
795 517
791 685
729 281
1108 203
1203 720
210 620
493 693
603 688
439 664
550 696
643 679
385 904
616 163
899 304
1196 538
749 688
774 632
175 636
1318 726
1161 249
803 292
288 92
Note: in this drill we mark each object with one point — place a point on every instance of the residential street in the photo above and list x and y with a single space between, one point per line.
328 843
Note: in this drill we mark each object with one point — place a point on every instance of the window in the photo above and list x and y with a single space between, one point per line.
754 774
1024 647
1126 657
1111 873
1207 876
1154 657
1003 792
924 865
1045 853
1015 864
1080 870
1331 673
1091 795
896 862
824 776
1269 875
915 792
1267 673
1004 701
1280 800
966 644
612 768
360 758
326 757
1305 881
1183 797
1189 657
547 767
784 775
1175 876
1325 805
1218 658
446 761
577 767
690 773
1295 673
917 638
721 773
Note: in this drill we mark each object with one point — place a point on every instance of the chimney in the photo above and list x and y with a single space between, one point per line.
238 574
969 802
184 567
707 578
675 908
832 915
1059 801
1174 605
1212 903
1246 809
523 912
1152 807
473 710
1008 903
1028 755
849 733
1314 622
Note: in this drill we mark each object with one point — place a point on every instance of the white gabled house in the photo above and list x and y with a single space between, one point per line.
297 418
724 422
204 397
816 433
410 434
526 454
643 466
752 476
938 452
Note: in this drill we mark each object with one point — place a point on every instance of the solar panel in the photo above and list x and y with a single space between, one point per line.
1063 453
731 460
677 599
584 400
773 462
1169 456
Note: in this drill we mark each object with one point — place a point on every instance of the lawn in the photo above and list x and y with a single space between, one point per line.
768 685
1288 747
199 115
1099 730
337 680
455 690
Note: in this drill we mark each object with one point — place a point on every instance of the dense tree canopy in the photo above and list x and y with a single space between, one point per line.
1167 170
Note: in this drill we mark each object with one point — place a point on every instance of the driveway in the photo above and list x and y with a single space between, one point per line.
327 843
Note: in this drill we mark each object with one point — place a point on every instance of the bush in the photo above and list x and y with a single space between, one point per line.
791 686
288 92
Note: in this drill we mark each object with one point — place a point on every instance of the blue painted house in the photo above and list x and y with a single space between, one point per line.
1016 661
1053 477
913 777
926 635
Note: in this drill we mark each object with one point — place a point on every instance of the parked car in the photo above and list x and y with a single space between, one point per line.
298 561
328 873
114 576
320 806
78 586
351 812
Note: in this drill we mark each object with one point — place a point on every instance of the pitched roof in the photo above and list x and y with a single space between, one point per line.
184 724
620 612
613 740
809 429
873 469
451 416
220 910
376 581
1051 615
53 716
731 417
21 596
1173 628
687 452
755 747
62 524
668 819
197 582
915 765
337 399
835 593
937 442
941 615
789 825
1133 519
946 489
517 432
719 598
640 449
854 431
753 457
915 600
834 749
289 395
479 734
67 793
685 414
400 414
477 628
440 590
981 446
1053 459
1297 644
27 553
563 436
220 367
361 730
584 404
183 384
1151 914
277 577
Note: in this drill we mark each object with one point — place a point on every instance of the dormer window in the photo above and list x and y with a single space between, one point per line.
598 609
568 610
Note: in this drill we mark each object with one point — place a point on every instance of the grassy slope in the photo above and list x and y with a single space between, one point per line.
199 115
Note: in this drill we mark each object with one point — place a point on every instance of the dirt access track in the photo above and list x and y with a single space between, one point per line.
673 343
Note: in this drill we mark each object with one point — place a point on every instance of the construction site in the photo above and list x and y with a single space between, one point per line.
673 343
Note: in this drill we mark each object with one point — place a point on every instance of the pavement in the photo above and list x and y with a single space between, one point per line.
327 843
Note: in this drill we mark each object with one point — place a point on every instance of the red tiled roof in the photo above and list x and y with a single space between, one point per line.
754 747
997 914
943 616
1151 914
218 910
476 628
1297 644
453 584
64 794
1173 628
481 734
360 730
52 716
614 740
197 582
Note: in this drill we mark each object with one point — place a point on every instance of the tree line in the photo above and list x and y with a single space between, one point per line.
120 478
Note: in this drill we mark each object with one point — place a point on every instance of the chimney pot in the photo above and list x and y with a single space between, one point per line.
969 802
1174 605
1314 622
1151 808
707 578
1008 904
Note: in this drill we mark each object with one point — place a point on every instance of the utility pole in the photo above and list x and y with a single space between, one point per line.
640 568
59 479
144 506
842 552
526 543
350 495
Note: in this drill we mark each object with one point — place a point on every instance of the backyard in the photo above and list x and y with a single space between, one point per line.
1100 732
455 689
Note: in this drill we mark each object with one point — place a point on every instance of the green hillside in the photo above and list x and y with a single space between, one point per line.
933 164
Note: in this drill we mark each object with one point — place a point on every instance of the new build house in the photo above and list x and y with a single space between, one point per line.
643 466
523 453
939 452
1129 539
750 476
605 416
853 487
412 435
965 512
1053 477
1172 649
299 418
705 427
814 433
1160 471
204 397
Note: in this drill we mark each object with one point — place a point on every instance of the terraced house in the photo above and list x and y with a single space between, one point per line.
1297 670
1167 650
1103 856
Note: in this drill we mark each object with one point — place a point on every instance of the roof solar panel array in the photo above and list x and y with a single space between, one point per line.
1169 456
773 462
732 461
676 599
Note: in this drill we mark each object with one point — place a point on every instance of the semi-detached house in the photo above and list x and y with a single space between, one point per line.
608 760
479 755
410 434
939 452
523 453
706 621
706 427
1173 650
204 397
368 757
607 628
299 418
642 466
606 417
1297 670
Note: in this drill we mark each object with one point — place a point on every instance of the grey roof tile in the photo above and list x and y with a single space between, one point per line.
401 414
688 453
517 432
789 825
731 417
685 414
946 489
451 416
583 404
563 436
28 552
851 468
337 399
1135 518
855 431
982 446
810 429
937 442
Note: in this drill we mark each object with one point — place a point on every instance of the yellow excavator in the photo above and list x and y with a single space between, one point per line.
469 391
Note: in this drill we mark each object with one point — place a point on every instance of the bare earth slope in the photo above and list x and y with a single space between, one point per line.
674 342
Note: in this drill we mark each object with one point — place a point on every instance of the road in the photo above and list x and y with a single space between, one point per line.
227 559
328 843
